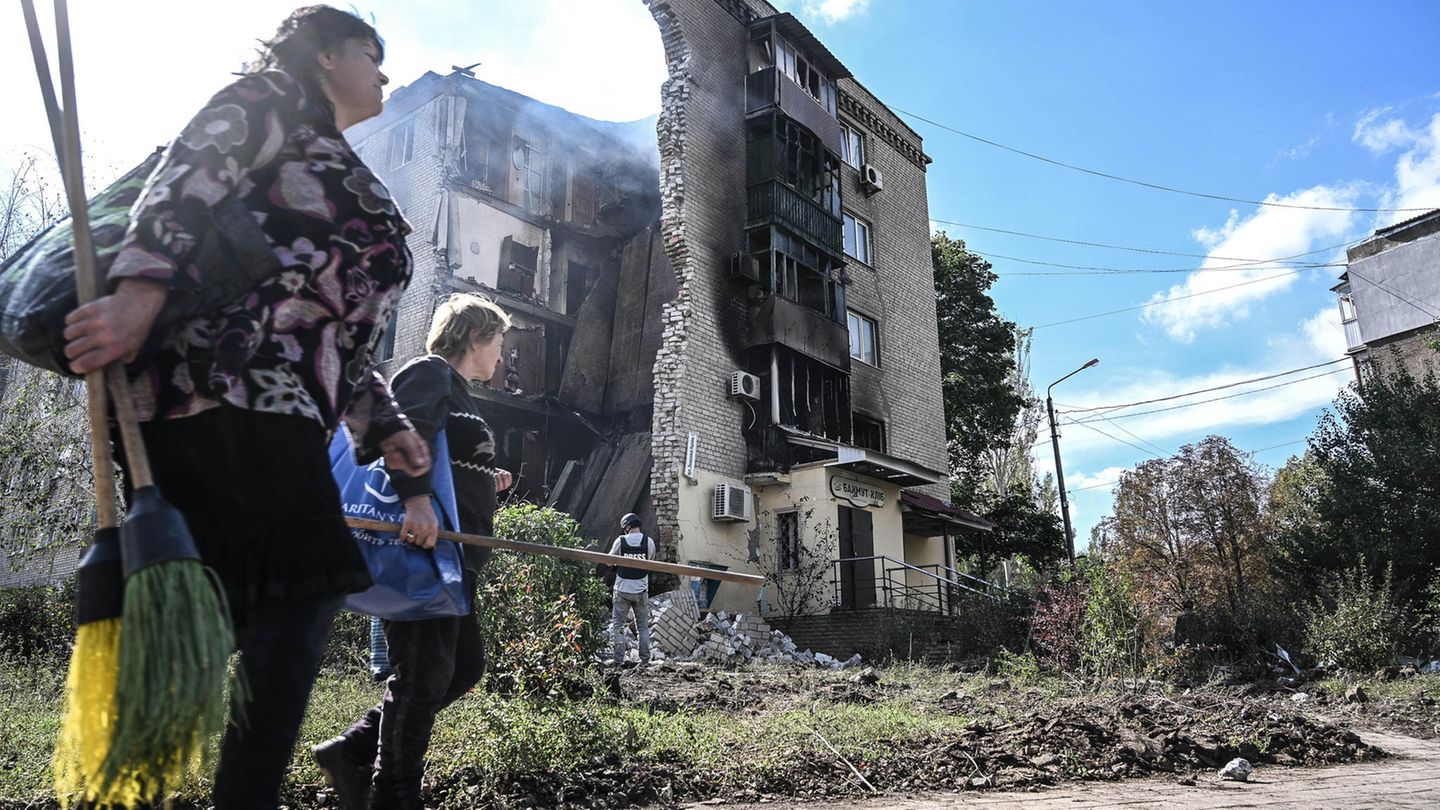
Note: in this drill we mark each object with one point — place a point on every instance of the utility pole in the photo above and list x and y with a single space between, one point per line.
1059 470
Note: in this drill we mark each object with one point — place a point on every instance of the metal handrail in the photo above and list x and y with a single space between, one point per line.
901 565
985 582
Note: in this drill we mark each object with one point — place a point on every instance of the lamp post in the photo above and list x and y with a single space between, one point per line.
1059 471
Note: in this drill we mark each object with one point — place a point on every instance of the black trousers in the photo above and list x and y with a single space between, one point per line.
434 662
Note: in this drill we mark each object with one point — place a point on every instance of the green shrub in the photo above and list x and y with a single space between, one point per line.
1111 643
1020 668
1356 623
539 614
37 620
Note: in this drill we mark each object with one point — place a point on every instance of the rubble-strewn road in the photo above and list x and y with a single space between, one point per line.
1410 778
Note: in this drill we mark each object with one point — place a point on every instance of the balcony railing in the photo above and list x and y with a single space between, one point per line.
1353 340
774 202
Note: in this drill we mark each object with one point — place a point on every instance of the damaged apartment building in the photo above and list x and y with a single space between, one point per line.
732 334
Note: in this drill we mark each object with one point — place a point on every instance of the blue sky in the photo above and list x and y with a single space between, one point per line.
1319 103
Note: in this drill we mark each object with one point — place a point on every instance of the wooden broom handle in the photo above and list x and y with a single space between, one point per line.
106 513
65 129
583 555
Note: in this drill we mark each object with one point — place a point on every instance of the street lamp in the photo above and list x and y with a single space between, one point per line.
1059 471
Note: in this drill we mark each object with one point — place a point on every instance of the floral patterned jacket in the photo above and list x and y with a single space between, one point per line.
299 341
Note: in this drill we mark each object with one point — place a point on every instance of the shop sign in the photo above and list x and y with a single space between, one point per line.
857 493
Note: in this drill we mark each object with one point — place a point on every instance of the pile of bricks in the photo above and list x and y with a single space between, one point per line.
678 633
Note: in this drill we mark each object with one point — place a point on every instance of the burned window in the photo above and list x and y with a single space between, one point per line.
798 67
787 541
795 270
518 264
869 432
529 163
814 397
386 349
584 198
780 149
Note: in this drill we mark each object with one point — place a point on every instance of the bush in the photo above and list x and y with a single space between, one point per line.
1356 623
1057 627
539 614
1112 641
37 621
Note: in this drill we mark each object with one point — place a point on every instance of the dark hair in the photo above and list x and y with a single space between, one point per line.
304 35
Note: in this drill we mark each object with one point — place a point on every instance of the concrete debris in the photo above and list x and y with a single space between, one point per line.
1237 770
1300 697
1356 695
1431 668
679 633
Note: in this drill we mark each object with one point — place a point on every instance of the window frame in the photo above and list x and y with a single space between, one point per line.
851 226
860 320
402 145
787 549
852 146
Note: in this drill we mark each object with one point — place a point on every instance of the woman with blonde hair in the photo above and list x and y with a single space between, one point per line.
379 761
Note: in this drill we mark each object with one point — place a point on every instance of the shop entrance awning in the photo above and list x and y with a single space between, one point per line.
931 517
877 465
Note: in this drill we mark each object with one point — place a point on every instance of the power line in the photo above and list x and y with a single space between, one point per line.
1104 271
1212 399
1206 390
1165 301
1277 446
1113 438
1117 481
1152 251
1142 183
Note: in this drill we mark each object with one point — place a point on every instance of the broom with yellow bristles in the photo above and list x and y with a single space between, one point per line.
146 691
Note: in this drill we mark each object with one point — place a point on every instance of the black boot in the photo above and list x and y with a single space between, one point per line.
345 772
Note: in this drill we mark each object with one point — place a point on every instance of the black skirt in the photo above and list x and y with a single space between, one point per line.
256 492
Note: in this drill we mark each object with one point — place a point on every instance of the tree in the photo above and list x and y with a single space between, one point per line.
45 484
1373 495
1189 533
976 364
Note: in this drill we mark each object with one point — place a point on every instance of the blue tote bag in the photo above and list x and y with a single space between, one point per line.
410 582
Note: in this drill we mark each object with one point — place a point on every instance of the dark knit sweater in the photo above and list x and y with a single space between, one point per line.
433 395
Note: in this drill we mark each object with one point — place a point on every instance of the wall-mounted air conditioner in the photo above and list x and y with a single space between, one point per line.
744 384
744 266
871 179
732 502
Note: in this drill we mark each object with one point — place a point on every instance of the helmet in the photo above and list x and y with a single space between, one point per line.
630 519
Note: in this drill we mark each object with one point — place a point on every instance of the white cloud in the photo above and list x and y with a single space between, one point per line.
1222 296
833 11
1417 174
1382 136
1105 479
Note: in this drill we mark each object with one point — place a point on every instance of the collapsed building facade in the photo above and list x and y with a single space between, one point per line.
724 319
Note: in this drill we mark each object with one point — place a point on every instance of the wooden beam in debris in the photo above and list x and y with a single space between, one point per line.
571 553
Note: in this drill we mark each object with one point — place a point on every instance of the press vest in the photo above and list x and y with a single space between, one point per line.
638 550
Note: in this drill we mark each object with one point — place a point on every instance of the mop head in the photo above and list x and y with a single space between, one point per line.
172 659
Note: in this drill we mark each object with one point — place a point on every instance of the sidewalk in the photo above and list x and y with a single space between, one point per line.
1410 777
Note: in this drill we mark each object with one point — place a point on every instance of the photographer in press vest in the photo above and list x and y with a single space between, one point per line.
632 588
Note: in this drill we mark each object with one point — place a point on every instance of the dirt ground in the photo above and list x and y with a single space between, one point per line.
1016 737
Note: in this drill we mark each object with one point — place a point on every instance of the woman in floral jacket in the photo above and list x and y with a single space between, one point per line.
238 396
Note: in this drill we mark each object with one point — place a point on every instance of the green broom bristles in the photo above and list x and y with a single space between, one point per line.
171 685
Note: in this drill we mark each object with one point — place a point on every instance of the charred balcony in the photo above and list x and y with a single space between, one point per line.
793 181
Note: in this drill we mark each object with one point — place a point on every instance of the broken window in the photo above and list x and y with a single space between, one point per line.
578 281
795 270
517 266
386 349
787 541
814 397
863 346
794 64
852 146
529 164
402 144
869 432
584 198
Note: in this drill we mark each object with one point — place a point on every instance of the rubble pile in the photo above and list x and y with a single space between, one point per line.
678 633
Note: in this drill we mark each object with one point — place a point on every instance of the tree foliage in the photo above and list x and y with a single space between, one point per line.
1368 491
976 363
1189 532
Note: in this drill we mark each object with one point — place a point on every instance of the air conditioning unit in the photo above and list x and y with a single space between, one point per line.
732 502
871 179
744 384
745 266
